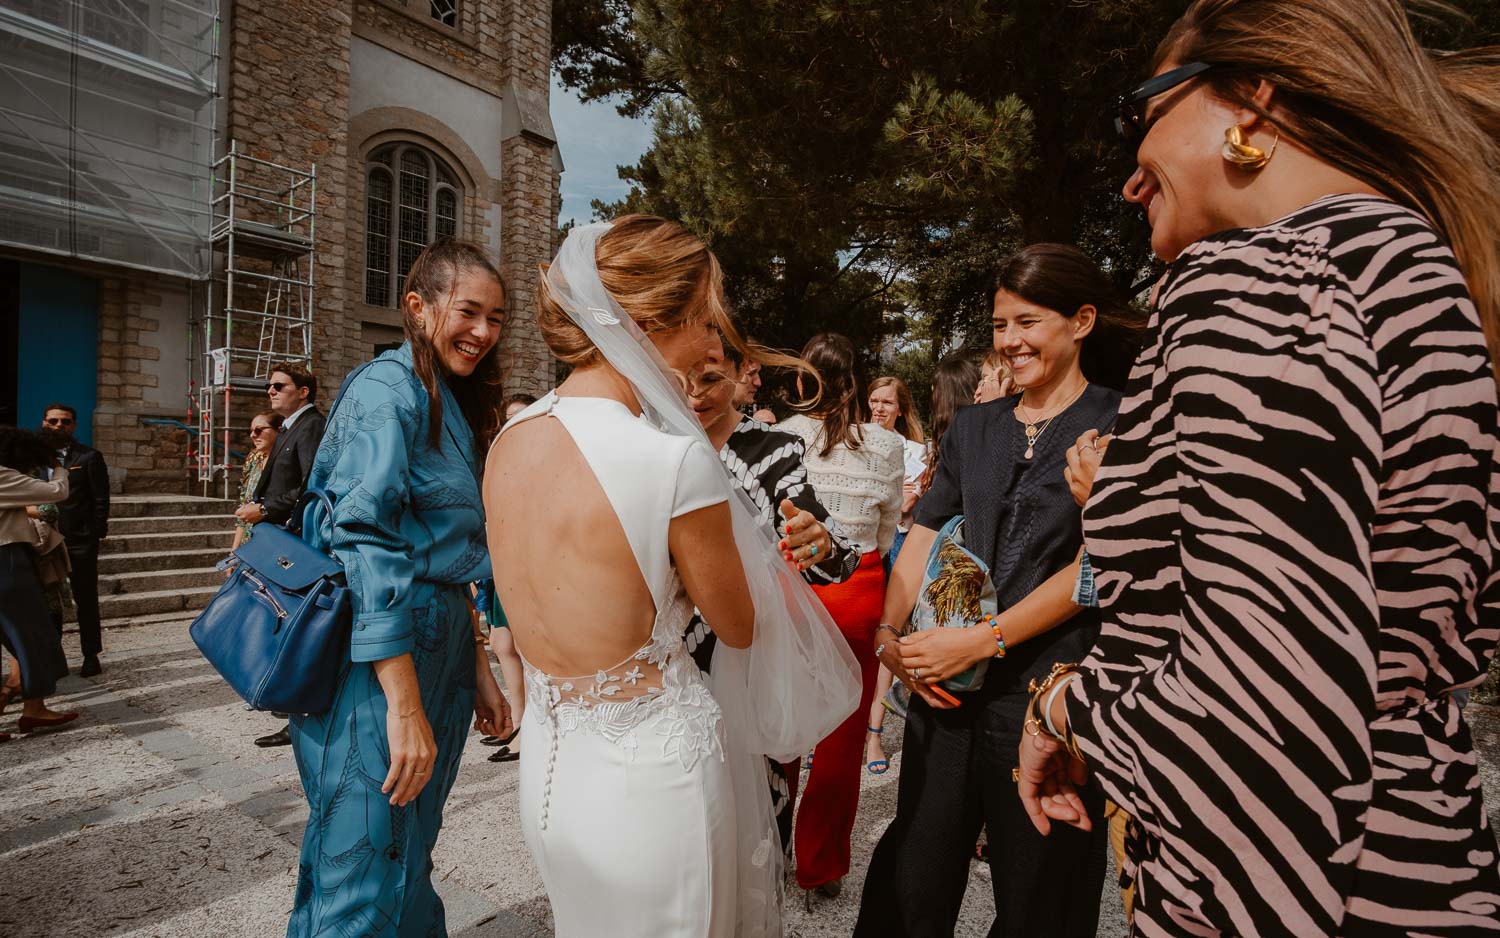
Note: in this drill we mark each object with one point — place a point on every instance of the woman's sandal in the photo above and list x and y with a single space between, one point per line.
8 693
498 740
876 766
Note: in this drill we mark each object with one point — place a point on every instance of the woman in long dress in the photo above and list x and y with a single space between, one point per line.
643 793
1294 531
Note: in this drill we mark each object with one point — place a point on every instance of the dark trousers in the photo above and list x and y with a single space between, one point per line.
84 579
955 779
25 628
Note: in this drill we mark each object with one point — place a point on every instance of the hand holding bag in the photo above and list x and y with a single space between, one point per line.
956 593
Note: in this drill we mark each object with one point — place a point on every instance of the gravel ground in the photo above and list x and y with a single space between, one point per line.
156 816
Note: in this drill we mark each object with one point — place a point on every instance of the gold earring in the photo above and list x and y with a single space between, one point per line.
1238 150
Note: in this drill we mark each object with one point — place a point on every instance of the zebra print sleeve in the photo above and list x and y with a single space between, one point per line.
1265 392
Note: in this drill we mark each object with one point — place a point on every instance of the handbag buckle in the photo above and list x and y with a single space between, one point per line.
285 564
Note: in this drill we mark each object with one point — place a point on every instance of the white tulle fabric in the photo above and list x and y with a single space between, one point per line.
798 680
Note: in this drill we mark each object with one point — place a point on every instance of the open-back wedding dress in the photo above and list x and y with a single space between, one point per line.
624 780
643 792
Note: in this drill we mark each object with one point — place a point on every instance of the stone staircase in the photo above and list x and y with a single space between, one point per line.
158 562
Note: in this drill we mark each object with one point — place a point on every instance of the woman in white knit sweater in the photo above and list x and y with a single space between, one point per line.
856 469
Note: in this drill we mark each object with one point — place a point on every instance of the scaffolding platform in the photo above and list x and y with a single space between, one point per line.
263 239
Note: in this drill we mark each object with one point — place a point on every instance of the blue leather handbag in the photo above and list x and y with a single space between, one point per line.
278 629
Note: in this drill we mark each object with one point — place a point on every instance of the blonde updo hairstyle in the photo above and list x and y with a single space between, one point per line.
662 276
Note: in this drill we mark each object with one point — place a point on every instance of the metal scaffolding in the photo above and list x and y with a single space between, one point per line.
260 304
107 130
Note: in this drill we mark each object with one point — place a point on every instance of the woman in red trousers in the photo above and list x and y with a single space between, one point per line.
856 469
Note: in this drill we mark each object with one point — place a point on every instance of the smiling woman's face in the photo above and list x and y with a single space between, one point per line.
1181 179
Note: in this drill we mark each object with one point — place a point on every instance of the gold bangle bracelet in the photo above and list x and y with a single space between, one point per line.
1037 690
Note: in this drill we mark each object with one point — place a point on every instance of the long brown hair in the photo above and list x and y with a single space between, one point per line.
840 402
1357 89
908 422
953 384
1062 278
433 277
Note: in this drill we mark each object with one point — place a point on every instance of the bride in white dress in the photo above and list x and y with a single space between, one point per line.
643 793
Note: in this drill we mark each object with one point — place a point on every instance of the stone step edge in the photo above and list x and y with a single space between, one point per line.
142 574
184 616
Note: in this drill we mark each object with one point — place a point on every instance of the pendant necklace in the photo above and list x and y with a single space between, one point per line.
1035 428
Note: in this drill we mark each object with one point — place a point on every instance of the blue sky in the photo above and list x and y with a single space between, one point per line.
593 140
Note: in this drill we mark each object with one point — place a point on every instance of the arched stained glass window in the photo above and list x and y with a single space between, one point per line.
412 198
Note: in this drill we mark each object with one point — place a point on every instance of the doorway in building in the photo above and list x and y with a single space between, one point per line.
10 320
49 343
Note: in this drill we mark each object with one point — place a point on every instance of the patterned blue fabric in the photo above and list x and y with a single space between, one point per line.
1084 593
409 526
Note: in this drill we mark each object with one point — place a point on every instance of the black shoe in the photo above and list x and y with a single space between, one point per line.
504 754
90 666
278 715
831 889
492 741
282 737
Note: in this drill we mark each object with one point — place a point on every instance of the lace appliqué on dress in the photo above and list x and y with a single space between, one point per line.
659 679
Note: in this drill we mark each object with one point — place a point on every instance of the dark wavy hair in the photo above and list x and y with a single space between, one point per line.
840 402
25 451
1063 279
953 384
433 276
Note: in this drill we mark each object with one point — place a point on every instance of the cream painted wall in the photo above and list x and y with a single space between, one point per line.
379 77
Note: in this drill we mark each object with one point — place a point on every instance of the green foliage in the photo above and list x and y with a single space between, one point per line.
864 165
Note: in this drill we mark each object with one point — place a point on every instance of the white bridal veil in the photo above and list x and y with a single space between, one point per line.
798 680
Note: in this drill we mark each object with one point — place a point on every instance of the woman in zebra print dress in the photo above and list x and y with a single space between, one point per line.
1294 532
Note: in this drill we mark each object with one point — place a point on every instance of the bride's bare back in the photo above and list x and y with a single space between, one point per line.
578 598
559 549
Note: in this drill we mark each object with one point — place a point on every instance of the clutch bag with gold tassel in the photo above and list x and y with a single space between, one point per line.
956 593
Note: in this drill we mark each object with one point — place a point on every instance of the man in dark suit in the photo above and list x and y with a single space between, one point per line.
83 520
293 394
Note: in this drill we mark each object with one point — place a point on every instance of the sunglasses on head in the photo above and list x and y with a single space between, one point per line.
1130 116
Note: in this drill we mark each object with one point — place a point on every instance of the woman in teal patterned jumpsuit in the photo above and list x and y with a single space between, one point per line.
400 459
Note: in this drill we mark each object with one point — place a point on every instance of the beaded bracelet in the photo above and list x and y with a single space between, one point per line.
994 625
